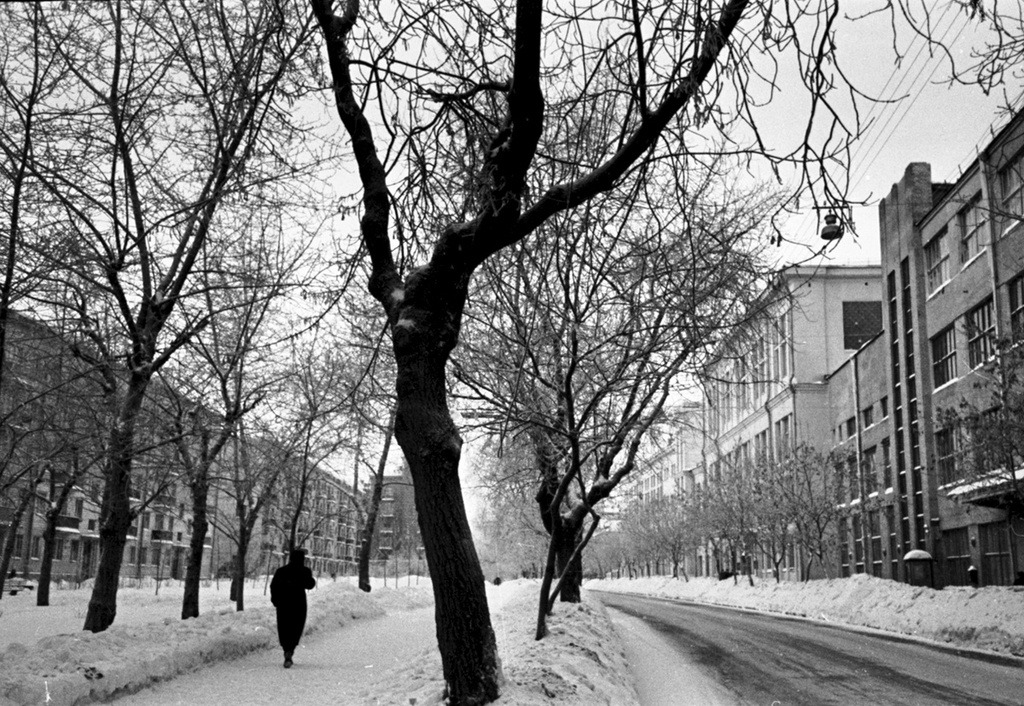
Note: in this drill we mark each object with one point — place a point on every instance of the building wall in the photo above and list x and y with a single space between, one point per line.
948 248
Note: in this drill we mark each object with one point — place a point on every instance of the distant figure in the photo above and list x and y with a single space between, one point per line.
1019 581
288 594
13 574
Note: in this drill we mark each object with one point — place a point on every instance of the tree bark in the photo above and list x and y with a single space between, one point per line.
116 513
46 565
193 571
238 580
567 536
425 431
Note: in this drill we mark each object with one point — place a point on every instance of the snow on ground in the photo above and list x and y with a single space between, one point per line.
45 656
990 618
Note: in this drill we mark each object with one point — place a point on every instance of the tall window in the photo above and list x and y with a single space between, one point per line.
936 256
980 330
944 357
970 221
995 554
958 556
1011 187
886 463
867 470
1017 308
945 456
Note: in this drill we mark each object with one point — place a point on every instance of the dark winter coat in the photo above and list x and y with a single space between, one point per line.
288 594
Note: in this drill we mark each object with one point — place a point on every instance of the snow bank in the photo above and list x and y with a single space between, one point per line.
581 660
990 618
83 667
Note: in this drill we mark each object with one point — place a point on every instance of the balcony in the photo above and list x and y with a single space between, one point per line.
161 535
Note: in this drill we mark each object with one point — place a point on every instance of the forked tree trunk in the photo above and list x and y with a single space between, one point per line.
193 571
433 448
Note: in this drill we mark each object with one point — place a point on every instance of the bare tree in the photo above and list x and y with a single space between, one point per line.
161 118
492 81
599 326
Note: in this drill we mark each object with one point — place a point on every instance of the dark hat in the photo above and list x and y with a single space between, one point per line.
297 556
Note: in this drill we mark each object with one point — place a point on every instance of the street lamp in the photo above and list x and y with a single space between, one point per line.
833 229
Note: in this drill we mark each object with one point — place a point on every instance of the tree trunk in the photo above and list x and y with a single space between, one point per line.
433 448
366 541
238 580
115 521
366 545
566 537
46 565
115 512
12 531
193 571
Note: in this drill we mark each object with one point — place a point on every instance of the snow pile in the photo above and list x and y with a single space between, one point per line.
82 666
580 661
990 618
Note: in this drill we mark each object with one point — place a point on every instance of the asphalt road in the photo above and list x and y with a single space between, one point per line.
728 656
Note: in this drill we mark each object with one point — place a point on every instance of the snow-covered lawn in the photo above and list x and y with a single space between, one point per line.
990 618
46 657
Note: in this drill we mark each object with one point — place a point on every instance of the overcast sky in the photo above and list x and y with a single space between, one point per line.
933 121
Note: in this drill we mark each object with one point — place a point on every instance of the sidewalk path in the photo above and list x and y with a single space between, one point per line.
339 667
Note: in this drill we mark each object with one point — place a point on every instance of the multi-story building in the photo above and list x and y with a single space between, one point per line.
867 359
770 390
953 258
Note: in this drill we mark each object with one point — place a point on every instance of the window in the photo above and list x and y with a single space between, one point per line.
851 427
958 556
58 549
867 416
886 463
944 357
783 430
980 330
936 256
73 553
883 407
970 221
861 321
79 508
19 545
1011 187
867 470
1017 308
995 554
37 547
945 456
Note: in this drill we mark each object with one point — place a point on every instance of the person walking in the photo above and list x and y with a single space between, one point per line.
288 594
